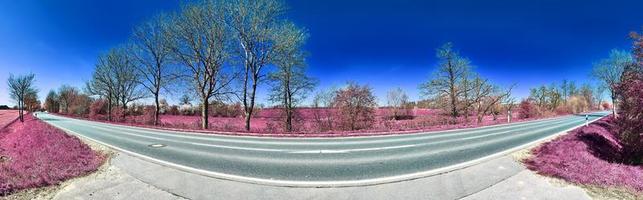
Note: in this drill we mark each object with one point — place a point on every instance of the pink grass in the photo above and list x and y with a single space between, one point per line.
7 116
41 155
583 156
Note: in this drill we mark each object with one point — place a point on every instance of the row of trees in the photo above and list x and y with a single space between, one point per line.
566 97
459 90
215 47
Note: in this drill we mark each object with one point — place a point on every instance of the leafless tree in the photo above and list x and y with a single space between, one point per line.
452 69
151 53
396 100
126 76
19 88
291 84
103 83
67 95
254 23
198 41
609 72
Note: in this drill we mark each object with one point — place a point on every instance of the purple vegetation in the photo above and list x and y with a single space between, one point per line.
35 154
588 155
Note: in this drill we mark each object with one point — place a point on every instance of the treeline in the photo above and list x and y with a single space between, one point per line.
564 98
215 50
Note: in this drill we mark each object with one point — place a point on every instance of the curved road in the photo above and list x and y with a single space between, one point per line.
318 161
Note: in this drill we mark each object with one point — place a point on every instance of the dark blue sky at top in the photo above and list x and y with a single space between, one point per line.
385 44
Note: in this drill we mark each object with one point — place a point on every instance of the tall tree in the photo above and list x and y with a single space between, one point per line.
609 72
451 70
126 76
198 41
291 84
103 83
151 53
19 88
255 24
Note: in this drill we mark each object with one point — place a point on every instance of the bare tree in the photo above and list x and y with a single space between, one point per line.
291 84
324 114
67 95
151 53
254 23
397 99
609 72
451 70
126 76
52 104
198 39
19 88
103 83
356 105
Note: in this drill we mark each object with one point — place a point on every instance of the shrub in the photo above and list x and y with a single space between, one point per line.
526 109
630 92
148 115
97 109
118 114
356 107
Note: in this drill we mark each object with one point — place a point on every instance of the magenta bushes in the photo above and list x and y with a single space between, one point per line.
586 156
40 155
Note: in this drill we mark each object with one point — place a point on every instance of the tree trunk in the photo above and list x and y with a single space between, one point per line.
20 111
156 110
252 103
614 105
204 113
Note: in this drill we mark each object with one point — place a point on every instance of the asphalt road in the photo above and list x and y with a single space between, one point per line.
317 160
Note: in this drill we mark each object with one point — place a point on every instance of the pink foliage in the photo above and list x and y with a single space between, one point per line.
37 154
526 110
97 109
7 116
584 156
630 119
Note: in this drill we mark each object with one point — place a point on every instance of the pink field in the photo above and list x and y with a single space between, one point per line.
34 154
7 116
583 156
267 123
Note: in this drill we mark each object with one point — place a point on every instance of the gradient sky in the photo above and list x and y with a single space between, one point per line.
384 44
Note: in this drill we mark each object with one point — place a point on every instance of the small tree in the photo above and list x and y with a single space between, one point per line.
396 100
20 87
356 105
67 95
324 114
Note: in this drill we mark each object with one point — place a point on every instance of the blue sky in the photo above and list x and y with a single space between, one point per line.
385 44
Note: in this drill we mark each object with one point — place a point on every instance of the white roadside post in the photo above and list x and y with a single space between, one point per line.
509 116
586 120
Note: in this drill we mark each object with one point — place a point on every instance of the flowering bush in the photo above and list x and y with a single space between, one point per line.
41 155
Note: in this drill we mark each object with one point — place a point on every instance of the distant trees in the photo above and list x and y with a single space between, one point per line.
356 106
566 98
66 96
51 102
291 84
609 72
21 88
